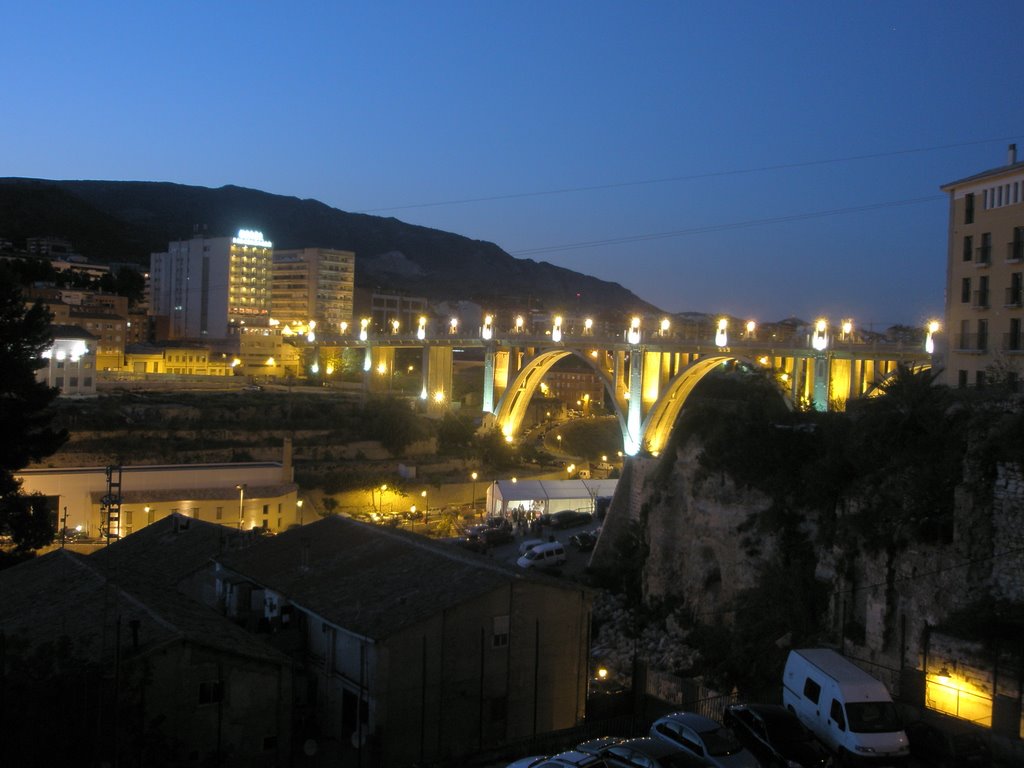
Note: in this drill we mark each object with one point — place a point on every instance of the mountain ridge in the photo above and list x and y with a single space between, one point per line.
127 220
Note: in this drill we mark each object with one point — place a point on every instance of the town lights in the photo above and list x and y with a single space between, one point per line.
421 329
751 328
929 342
847 328
722 333
519 323
556 329
439 396
588 327
395 325
487 331
633 334
315 367
453 326
344 327
665 325
362 328
819 339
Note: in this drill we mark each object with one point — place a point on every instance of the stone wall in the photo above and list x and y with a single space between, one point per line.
1008 532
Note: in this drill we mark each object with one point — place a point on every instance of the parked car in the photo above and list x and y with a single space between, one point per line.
570 759
641 753
937 748
775 736
584 541
703 738
529 544
547 555
569 518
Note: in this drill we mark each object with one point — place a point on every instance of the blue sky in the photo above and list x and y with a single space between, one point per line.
544 125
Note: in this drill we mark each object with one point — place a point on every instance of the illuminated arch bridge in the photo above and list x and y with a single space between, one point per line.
649 378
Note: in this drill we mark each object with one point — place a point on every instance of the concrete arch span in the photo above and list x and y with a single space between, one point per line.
657 426
513 404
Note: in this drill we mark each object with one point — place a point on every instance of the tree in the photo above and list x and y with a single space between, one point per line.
26 414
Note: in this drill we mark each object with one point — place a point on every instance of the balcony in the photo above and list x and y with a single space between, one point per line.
1013 296
980 300
1013 342
983 256
1015 251
972 343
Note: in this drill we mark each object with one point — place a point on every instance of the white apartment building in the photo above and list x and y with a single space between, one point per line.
212 287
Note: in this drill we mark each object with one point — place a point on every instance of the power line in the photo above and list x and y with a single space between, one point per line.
689 177
724 227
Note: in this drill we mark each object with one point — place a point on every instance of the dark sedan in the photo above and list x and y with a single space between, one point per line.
775 736
947 750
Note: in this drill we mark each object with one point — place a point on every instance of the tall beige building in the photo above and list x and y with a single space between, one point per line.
313 284
985 277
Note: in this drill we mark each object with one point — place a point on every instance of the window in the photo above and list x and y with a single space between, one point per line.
812 690
985 251
211 692
979 379
965 290
968 247
1013 338
836 713
220 513
59 381
969 208
982 335
961 379
982 291
499 638
266 509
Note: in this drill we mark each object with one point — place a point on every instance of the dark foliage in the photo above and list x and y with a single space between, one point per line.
25 414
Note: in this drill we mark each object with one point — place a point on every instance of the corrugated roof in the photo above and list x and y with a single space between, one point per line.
64 594
555 489
370 580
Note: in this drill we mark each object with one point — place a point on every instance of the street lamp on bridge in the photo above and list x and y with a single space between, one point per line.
721 333
633 334
929 342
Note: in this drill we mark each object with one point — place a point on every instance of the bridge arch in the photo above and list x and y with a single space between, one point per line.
657 426
516 399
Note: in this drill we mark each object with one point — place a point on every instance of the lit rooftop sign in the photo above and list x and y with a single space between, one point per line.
251 237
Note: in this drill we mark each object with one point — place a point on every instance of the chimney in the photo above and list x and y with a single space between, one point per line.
1011 154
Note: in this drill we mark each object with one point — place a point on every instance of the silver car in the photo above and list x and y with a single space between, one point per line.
704 738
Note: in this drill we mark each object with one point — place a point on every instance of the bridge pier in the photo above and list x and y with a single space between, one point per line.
437 378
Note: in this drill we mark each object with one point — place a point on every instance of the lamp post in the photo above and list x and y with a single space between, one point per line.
473 498
241 503
298 505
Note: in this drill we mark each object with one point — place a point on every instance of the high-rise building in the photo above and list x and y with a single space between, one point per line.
313 284
212 287
985 277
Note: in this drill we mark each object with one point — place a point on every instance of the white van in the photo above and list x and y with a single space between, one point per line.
845 707
549 555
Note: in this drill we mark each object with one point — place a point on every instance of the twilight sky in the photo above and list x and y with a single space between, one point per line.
764 159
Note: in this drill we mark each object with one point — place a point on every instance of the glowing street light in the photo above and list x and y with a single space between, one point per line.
363 323
847 329
819 339
395 325
633 334
241 503
344 327
665 325
453 326
421 330
588 327
473 498
519 323
439 396
487 331
722 333
751 328
929 342
556 330
298 505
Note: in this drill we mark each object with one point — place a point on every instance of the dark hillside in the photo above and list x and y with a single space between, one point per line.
126 221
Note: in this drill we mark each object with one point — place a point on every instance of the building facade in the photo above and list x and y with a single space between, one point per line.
70 362
313 284
985 277
212 287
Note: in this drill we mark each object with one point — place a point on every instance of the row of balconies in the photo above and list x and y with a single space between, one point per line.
1014 298
979 342
1014 253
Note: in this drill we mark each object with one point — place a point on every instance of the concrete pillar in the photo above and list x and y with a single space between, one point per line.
502 369
634 414
437 377
488 402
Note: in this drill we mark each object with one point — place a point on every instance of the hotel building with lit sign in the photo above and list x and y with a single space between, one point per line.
212 287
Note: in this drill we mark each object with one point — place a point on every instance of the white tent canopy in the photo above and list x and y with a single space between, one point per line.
545 496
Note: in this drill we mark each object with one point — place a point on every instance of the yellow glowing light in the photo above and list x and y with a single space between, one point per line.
763 360
751 326
593 353
508 438
235 363
723 323
488 319
474 475
602 673
515 479
820 326
634 323
344 327
315 368
454 324
847 327
933 326
329 369
588 323
519 322
439 396
286 331
271 362
664 325
395 325
382 368
784 377
954 695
